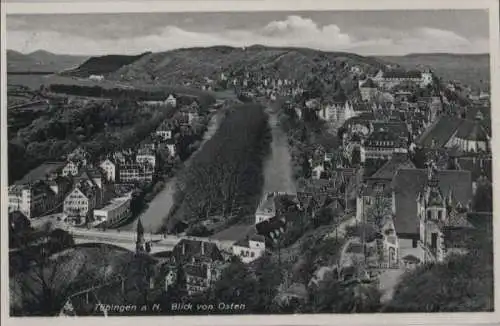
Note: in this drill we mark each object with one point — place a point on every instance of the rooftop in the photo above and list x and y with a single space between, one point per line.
409 183
389 169
472 130
440 133
115 203
187 248
369 83
41 172
402 74
246 241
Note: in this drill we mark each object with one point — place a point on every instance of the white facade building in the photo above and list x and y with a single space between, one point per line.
250 249
118 209
171 100
71 169
109 169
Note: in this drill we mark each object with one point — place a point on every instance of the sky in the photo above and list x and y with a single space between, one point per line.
363 32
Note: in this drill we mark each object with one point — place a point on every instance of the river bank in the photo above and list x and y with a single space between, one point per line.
153 218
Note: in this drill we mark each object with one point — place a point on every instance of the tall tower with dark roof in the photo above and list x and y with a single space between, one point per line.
140 236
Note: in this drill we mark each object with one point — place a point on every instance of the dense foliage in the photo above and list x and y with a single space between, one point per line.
461 283
104 64
227 171
100 126
254 285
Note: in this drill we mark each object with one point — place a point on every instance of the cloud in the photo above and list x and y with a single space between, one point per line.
294 31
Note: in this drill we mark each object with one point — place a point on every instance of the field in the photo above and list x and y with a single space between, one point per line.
31 81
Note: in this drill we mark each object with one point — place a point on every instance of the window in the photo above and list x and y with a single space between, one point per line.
429 214
252 254
440 215
414 243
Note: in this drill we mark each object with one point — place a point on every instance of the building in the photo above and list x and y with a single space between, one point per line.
80 202
250 249
266 208
172 147
146 156
424 201
192 112
116 210
135 172
165 131
202 263
336 113
45 171
368 89
391 78
470 136
383 144
171 101
31 199
96 77
60 187
71 168
79 155
110 169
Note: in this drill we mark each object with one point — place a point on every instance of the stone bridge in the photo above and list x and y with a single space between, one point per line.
127 240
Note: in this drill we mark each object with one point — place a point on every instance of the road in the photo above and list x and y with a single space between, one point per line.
278 175
153 217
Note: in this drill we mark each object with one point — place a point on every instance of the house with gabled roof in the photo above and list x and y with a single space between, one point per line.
72 168
31 199
368 89
80 202
110 169
201 261
250 248
166 130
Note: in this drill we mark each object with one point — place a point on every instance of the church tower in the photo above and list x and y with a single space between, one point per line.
433 213
140 243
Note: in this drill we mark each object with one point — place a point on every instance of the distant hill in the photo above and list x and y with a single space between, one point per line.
470 69
195 64
40 61
102 65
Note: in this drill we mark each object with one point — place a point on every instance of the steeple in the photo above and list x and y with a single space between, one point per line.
434 196
140 236
450 200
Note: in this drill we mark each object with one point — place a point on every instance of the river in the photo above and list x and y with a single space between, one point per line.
278 174
153 217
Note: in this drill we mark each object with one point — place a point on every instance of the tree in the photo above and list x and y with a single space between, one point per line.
335 296
483 199
379 210
462 283
198 230
236 285
356 156
268 278
41 289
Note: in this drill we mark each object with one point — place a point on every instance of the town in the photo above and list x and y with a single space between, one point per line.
359 190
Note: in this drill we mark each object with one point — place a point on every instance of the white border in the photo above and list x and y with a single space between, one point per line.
259 5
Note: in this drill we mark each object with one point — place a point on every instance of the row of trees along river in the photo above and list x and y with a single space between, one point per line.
243 153
225 178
